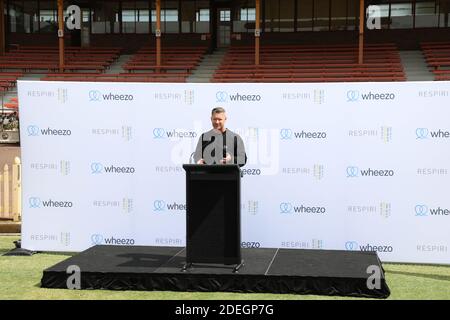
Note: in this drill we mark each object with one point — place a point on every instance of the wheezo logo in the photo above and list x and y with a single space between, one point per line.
288 134
161 206
161 133
98 168
98 239
251 172
285 207
36 203
288 208
34 131
351 245
424 133
352 172
354 246
355 95
352 95
223 97
355 172
97 96
285 134
422 210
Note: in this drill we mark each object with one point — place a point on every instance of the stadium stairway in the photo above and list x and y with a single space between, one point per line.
206 69
116 66
415 66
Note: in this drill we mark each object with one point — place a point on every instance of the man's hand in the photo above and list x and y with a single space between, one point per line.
201 161
227 159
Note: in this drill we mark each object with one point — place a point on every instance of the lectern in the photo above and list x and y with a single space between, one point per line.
213 215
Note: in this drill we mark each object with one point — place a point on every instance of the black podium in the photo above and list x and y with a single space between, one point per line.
213 215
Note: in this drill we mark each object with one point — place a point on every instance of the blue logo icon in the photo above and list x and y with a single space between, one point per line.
351 245
421 133
34 202
352 172
96 168
158 133
221 96
33 130
94 95
285 207
159 205
96 239
286 134
421 210
352 95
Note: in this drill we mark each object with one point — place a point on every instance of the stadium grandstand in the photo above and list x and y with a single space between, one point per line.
203 41
233 41
221 41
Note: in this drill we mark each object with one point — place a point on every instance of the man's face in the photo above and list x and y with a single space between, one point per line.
218 121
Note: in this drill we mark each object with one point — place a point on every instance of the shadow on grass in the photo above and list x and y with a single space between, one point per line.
421 275
3 251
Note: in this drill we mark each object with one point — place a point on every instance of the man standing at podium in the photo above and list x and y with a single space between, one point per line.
220 145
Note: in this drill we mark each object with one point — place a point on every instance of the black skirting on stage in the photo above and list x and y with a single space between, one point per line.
292 271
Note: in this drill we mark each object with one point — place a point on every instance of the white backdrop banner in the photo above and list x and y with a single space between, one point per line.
346 166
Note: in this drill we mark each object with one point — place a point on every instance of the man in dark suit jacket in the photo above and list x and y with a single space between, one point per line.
220 145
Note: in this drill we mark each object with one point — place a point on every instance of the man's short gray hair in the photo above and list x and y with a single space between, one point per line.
217 110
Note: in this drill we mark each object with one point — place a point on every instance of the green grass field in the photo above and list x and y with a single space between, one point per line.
20 278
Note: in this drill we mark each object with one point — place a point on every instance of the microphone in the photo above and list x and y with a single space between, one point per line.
191 158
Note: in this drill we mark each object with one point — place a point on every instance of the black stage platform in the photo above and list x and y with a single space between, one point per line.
294 271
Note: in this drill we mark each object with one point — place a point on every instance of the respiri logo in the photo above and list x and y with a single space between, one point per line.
225 97
384 133
125 205
303 244
316 171
63 238
432 248
432 171
384 209
355 172
288 208
60 94
63 166
251 206
318 96
125 132
98 168
433 93
187 96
